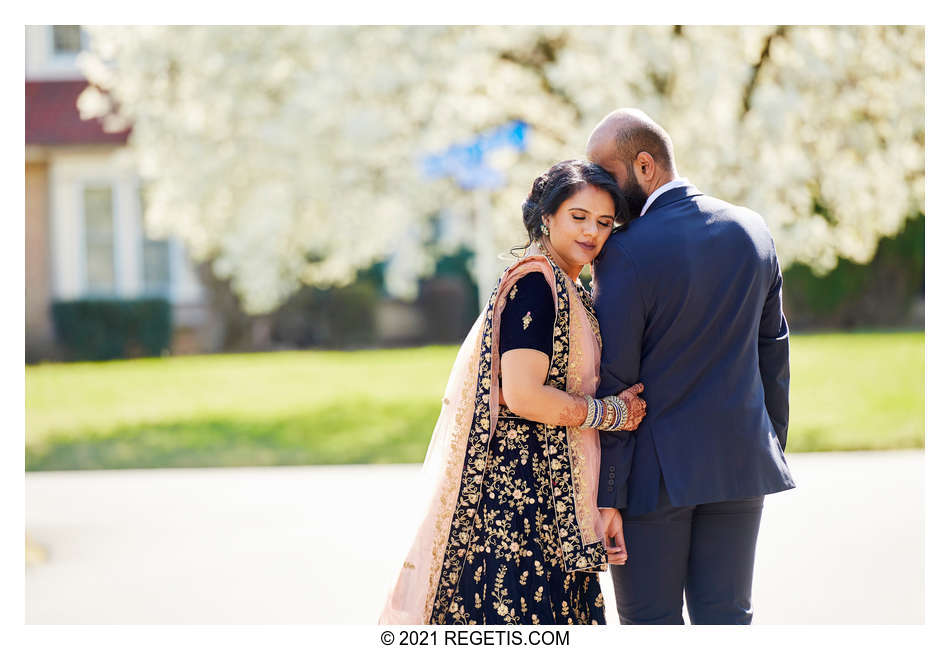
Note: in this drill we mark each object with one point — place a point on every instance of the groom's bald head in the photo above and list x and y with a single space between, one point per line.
636 151
626 132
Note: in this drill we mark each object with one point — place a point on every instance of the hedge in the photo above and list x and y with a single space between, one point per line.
97 329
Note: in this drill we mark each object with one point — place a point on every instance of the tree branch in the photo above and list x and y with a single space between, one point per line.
779 32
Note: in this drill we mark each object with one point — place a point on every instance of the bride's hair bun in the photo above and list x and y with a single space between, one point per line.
530 209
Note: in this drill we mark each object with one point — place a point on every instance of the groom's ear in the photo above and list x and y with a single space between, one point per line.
646 166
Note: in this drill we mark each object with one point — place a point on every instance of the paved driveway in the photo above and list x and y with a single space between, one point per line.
320 544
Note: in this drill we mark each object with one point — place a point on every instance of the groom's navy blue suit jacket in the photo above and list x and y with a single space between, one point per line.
689 300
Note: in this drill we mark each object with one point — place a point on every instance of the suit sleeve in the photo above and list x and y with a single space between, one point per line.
620 312
773 355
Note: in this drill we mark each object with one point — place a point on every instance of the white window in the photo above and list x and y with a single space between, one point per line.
99 221
156 267
52 50
99 244
67 40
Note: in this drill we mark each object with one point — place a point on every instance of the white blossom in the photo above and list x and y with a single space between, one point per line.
291 154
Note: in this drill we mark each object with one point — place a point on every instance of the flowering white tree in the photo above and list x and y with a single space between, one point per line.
290 154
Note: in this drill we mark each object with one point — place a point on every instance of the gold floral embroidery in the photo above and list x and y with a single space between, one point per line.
576 359
463 423
574 554
513 292
500 595
504 517
526 320
588 302
447 570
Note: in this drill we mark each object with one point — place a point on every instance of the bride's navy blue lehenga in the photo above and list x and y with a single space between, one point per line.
506 559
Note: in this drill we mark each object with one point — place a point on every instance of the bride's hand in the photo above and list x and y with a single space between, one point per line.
636 407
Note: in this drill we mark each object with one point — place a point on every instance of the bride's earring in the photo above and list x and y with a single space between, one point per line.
544 230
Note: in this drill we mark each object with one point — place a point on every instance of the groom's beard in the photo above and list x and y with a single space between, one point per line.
636 198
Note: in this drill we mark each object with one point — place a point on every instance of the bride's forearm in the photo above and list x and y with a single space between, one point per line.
551 406
525 393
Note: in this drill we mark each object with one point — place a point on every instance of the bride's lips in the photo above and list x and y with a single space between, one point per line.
586 247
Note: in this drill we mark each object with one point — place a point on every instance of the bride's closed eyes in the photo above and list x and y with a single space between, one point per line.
580 214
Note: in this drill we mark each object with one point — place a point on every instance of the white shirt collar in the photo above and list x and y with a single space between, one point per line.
676 182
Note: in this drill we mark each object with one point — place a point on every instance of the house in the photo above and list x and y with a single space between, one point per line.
85 238
85 235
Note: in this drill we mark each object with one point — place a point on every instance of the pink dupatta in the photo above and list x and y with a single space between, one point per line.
441 493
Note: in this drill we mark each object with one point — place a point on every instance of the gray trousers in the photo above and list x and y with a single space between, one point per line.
706 550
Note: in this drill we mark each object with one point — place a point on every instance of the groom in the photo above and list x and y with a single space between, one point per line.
689 300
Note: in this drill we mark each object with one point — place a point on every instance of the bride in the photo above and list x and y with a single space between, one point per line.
511 533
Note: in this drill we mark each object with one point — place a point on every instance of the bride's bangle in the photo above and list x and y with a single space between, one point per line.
598 414
595 413
610 415
624 412
591 412
620 411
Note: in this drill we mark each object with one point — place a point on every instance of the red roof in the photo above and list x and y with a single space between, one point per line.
52 116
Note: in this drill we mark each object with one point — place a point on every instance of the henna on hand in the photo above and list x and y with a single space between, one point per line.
636 406
574 414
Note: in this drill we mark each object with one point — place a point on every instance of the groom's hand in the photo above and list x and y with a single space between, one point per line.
613 535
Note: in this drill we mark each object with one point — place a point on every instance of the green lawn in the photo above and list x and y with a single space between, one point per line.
849 391
857 391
